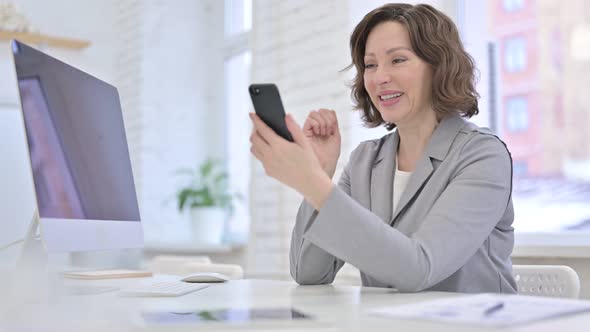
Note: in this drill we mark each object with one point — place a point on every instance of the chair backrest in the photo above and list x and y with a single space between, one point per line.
547 280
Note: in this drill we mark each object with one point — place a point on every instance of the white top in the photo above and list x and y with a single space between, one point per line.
400 182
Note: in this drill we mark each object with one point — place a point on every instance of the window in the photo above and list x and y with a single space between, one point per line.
238 17
237 63
517 115
515 56
512 5
538 111
520 168
237 78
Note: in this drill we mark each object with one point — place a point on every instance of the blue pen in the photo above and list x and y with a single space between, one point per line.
496 307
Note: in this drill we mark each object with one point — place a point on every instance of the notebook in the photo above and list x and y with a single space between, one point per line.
106 274
486 310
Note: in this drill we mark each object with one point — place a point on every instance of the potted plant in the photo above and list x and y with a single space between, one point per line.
206 196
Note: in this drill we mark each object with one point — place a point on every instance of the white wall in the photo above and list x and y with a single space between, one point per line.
179 117
89 20
16 189
300 46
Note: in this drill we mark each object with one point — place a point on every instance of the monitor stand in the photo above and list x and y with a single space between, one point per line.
33 266
33 257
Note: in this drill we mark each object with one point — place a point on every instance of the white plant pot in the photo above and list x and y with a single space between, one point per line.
208 225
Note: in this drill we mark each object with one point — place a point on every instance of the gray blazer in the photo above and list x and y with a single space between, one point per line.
452 230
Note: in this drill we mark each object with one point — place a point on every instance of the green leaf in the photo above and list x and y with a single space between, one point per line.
198 205
207 316
209 186
220 177
207 168
182 197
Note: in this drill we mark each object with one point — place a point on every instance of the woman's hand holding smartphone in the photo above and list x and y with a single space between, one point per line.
302 161
321 126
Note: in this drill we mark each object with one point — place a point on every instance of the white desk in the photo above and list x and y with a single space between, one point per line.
337 308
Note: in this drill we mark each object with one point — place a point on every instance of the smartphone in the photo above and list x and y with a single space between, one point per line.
269 107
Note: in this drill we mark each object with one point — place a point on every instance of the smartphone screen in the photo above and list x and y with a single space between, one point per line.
269 107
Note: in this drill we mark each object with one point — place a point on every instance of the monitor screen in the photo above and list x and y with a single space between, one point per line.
79 159
76 138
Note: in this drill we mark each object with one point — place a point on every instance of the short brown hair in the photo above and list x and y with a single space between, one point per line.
435 39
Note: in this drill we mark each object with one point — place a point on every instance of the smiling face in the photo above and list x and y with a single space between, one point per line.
399 83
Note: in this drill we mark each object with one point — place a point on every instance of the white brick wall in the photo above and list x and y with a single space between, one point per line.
169 75
301 46
129 80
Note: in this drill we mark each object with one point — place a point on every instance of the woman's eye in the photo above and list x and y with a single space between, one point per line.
398 60
369 65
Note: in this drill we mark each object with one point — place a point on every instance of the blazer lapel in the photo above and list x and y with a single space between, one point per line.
438 146
382 177
421 174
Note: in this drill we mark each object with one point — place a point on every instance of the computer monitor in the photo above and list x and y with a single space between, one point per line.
80 165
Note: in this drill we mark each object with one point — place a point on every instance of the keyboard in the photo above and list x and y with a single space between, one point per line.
168 288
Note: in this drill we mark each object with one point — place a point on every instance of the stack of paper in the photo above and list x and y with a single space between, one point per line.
486 309
106 274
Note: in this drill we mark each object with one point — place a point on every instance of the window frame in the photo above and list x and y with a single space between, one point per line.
236 44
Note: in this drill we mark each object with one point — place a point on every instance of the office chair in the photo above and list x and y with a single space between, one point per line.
547 280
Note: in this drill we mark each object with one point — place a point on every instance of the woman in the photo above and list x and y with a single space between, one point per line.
427 207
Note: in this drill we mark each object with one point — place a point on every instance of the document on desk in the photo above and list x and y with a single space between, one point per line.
490 310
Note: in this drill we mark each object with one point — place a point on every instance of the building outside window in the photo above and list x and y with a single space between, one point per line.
517 115
519 168
515 55
544 125
512 5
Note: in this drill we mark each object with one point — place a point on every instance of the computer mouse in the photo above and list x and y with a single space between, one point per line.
207 277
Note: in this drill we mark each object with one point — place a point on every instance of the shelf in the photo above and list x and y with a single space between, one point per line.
550 251
40 39
6 104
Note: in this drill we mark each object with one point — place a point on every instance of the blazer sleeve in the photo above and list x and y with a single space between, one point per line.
457 225
310 264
